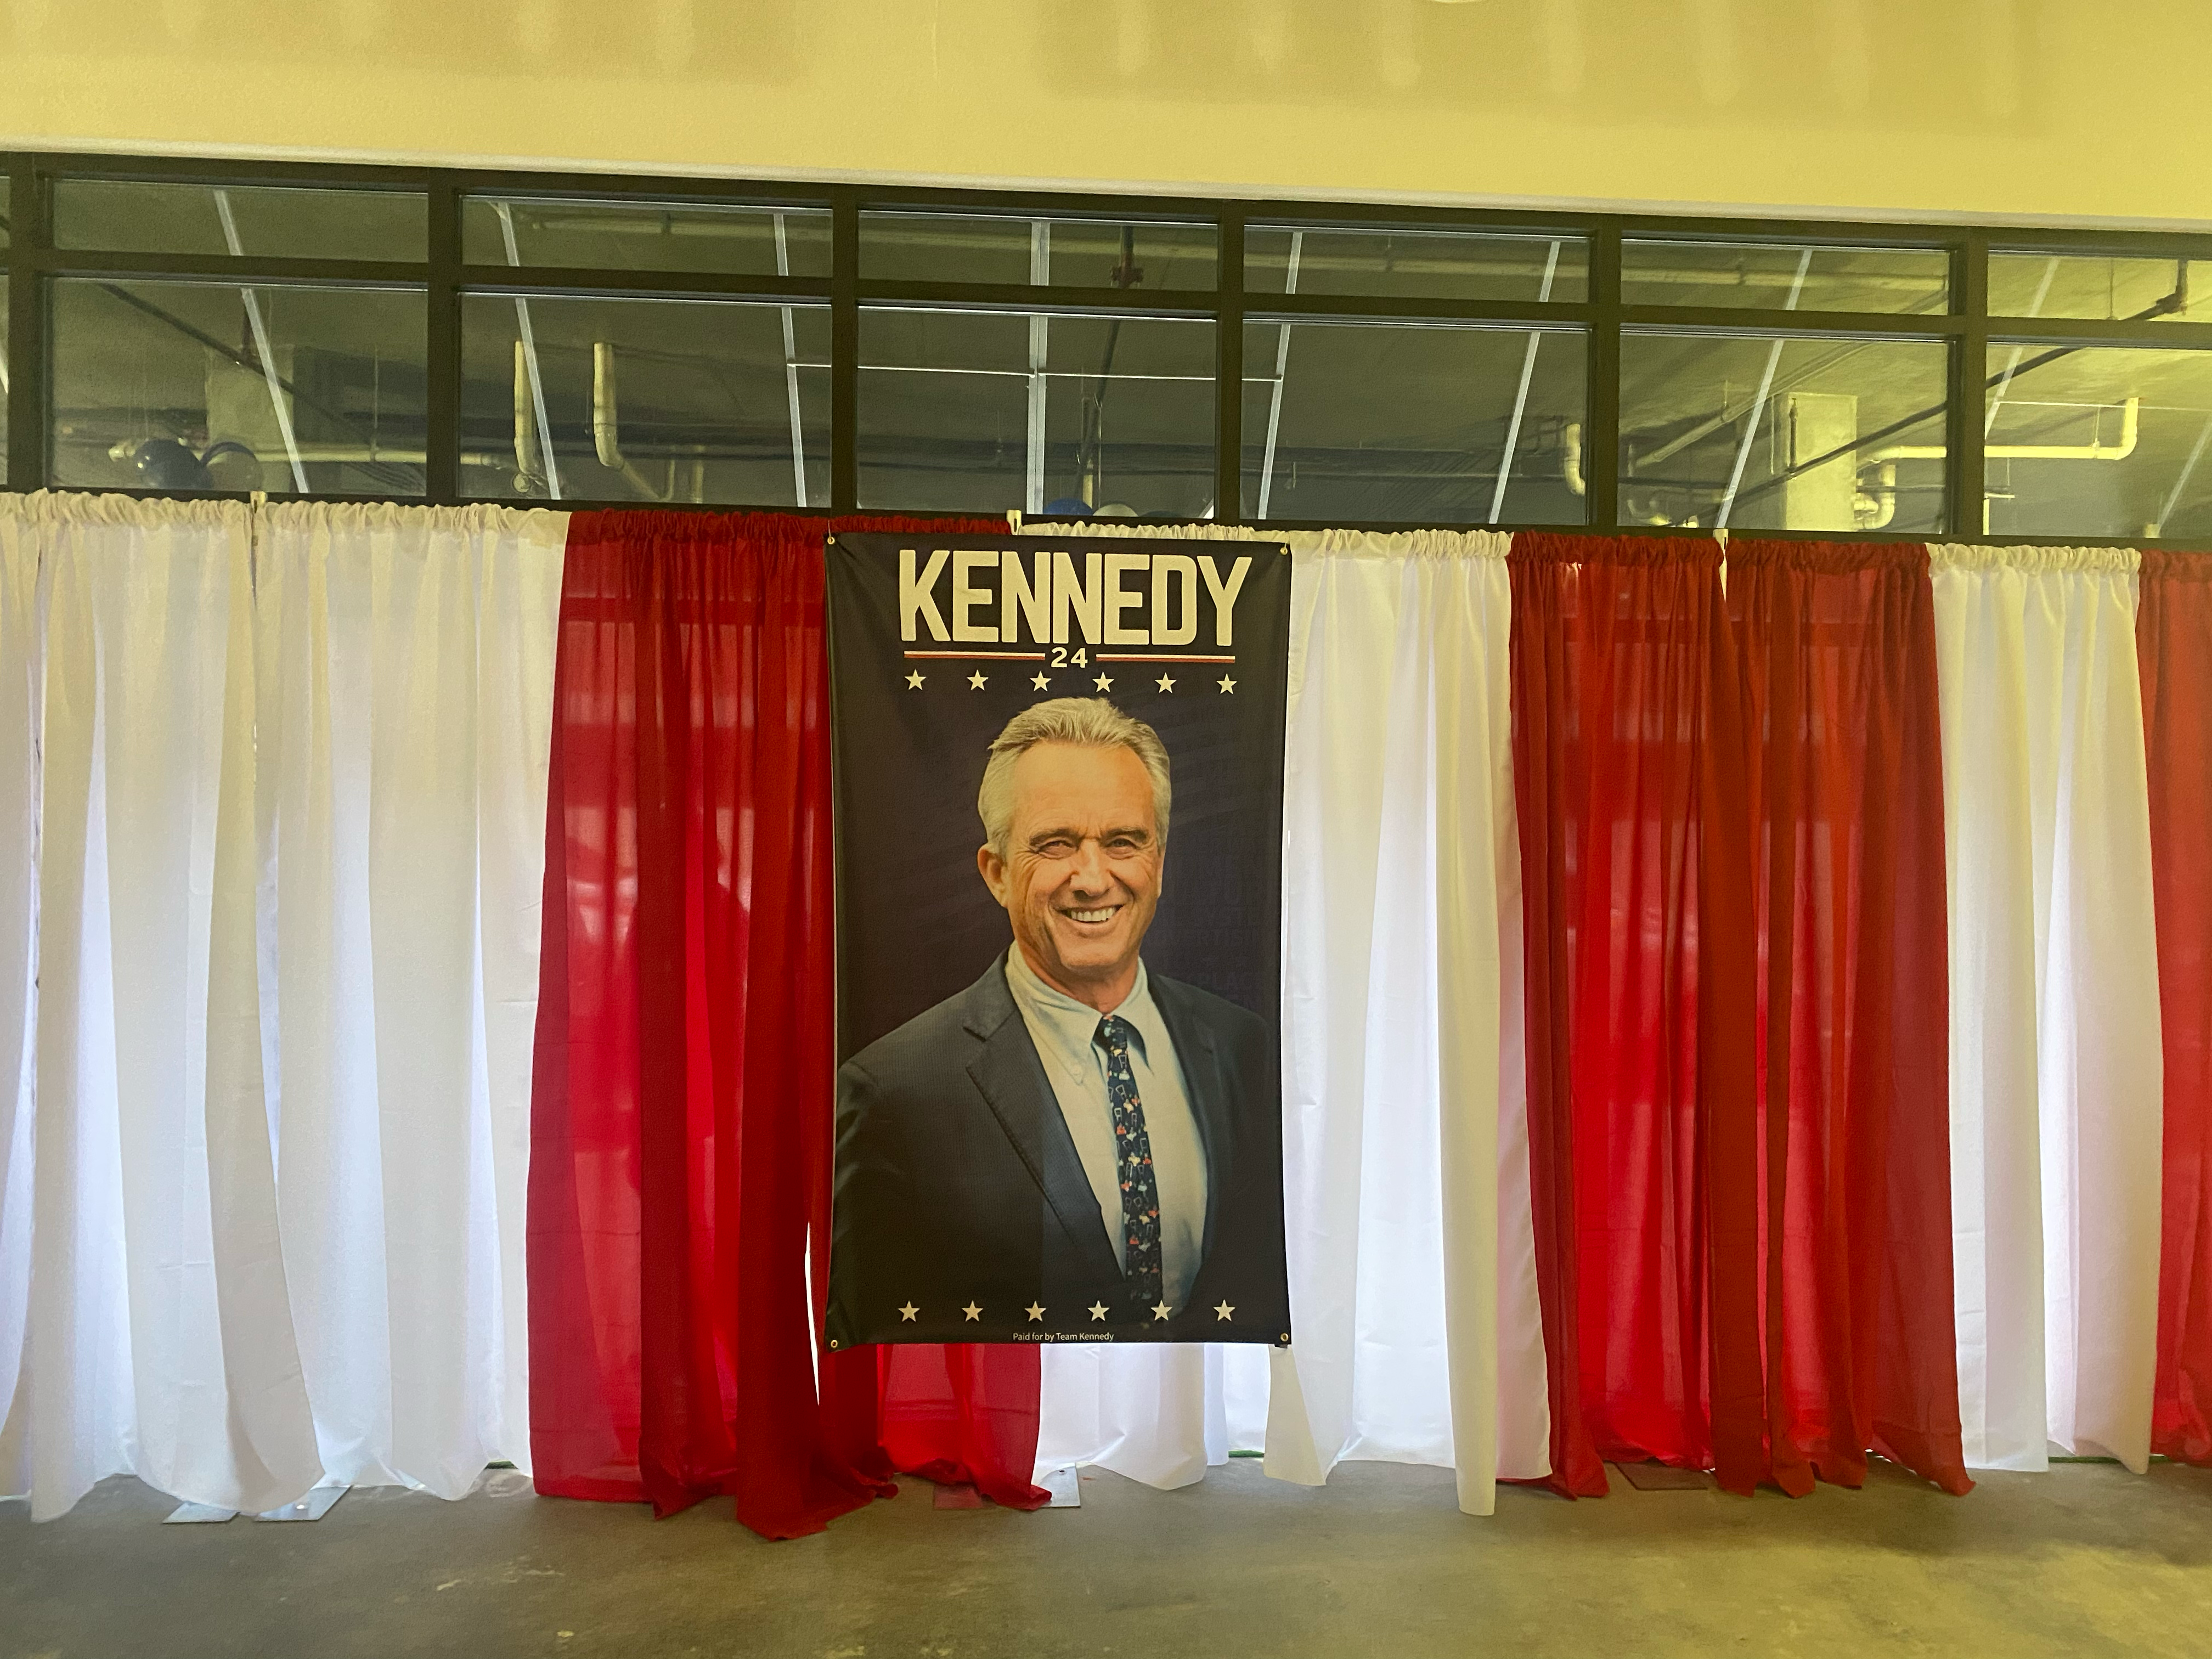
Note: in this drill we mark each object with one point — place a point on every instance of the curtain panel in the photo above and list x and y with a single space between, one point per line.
156 1331
2174 641
1838 652
2055 1043
405 689
1632 798
1731 820
286 817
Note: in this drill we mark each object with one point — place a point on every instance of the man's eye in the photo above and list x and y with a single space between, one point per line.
1053 849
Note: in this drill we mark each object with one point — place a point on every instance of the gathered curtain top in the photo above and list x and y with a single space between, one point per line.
1576 547
1820 558
58 509
802 532
527 524
2167 564
1442 545
1953 555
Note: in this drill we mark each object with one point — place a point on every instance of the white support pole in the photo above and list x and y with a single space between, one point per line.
2173 496
505 212
791 374
1282 366
1521 397
1040 277
261 347
2012 364
1758 403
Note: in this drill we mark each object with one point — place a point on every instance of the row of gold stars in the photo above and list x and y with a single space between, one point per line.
974 1311
979 681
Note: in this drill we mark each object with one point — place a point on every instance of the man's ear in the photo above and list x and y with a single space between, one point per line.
992 868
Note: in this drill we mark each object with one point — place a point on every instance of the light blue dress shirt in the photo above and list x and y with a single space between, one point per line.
1062 1028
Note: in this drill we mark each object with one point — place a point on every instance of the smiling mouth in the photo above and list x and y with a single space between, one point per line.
1100 913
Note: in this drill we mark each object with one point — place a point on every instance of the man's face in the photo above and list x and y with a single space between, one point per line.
1081 875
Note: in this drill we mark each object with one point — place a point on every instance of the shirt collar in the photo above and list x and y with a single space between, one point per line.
1071 1025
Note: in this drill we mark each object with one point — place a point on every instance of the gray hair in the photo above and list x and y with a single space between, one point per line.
1085 722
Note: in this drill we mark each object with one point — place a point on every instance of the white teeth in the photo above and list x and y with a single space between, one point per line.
1093 915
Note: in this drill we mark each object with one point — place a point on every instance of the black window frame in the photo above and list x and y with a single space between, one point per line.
32 264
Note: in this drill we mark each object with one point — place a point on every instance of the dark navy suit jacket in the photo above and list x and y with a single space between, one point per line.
959 1186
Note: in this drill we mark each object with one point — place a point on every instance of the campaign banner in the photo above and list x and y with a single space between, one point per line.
1059 800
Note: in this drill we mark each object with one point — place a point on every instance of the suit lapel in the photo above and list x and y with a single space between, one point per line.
1012 1079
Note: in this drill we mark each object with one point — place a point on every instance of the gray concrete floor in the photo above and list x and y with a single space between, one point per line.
2086 1560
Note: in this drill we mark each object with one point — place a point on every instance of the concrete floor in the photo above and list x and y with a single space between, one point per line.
2086 1560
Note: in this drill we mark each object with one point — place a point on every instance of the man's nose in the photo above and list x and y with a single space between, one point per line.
1090 874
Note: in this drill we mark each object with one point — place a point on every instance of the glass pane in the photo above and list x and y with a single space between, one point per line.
1773 277
1414 265
2098 442
941 248
7 212
125 217
1403 423
646 400
1776 433
964 411
2095 285
732 241
207 386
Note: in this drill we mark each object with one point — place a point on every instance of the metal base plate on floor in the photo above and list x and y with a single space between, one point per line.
1066 1487
188 1515
313 1507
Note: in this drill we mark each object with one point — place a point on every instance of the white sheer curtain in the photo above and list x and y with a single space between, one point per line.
406 702
288 846
1411 1248
2056 1062
157 1339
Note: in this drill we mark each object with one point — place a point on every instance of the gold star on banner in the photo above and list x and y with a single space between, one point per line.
1228 686
908 1312
1222 1310
914 681
1041 683
973 1311
1103 683
975 680
1166 682
1035 1311
1161 1310
1098 1310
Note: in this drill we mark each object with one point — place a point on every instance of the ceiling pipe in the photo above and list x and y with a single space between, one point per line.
2093 451
347 454
606 438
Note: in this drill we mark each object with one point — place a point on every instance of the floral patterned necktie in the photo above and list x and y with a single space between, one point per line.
1141 1280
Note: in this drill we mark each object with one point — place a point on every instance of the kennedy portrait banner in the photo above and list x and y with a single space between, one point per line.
1059 791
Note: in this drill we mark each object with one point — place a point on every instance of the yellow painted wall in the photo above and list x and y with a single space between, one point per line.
2065 110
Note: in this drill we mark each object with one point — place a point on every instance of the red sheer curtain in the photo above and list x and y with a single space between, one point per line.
1630 790
1730 807
681 1108
2174 644
1839 655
